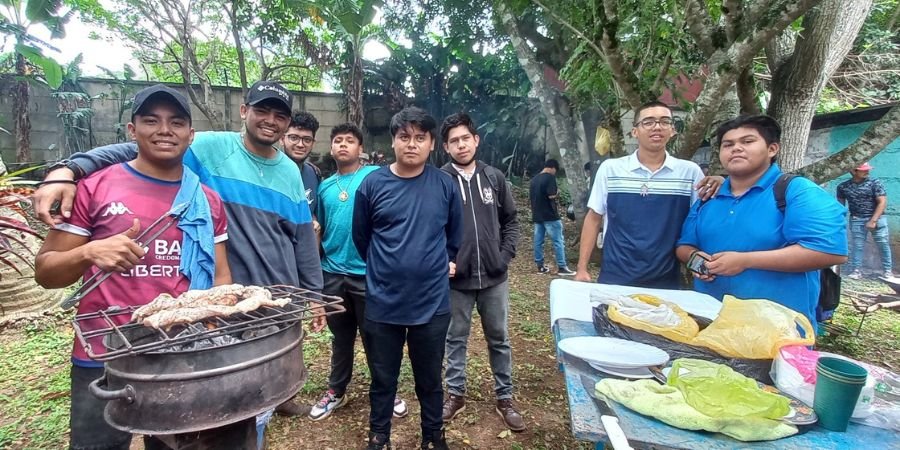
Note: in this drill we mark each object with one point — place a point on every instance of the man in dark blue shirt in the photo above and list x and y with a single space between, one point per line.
407 226
867 200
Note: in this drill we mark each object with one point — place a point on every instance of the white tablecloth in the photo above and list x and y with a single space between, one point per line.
572 299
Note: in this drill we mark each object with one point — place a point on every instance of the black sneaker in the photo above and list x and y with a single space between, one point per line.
435 442
543 269
566 272
378 442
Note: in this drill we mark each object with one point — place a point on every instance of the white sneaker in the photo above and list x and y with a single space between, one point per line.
400 409
326 405
855 275
888 275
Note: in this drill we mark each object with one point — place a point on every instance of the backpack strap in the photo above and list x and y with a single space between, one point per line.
780 189
491 173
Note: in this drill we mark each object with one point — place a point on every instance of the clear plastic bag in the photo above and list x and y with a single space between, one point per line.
717 391
755 329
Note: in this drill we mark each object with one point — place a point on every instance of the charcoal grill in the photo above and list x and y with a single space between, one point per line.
192 378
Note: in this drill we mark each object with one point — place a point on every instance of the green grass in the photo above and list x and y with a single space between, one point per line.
879 338
34 388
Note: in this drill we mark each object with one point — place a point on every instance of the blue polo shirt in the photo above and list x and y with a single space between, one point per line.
752 222
642 212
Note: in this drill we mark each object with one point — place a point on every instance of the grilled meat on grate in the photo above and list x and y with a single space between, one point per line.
227 294
197 307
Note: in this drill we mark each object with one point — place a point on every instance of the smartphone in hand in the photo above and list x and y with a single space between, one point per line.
697 264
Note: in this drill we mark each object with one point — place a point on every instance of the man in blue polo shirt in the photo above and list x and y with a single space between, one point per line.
753 250
640 200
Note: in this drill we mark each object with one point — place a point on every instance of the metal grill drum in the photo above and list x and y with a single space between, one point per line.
155 386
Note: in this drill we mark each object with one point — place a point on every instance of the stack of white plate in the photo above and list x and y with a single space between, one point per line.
626 359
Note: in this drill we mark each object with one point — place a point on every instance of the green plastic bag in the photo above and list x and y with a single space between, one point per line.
718 391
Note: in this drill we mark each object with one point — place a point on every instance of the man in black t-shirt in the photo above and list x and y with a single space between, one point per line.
543 194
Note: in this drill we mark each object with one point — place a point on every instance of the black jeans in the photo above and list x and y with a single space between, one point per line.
426 354
344 326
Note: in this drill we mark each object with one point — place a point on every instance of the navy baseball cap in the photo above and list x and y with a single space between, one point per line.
266 90
142 96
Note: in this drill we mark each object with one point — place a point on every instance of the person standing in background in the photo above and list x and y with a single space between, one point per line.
543 194
867 201
297 143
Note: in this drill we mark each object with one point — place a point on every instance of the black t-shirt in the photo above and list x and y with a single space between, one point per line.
543 208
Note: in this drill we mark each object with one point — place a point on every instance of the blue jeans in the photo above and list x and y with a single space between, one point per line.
493 307
858 233
554 229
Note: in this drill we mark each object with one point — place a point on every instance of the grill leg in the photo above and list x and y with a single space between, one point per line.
237 436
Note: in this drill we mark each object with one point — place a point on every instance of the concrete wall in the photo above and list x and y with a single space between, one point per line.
47 140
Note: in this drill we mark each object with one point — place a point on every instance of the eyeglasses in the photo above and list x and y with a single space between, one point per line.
295 138
649 123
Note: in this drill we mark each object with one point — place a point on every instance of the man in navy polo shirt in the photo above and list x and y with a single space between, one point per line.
755 251
640 200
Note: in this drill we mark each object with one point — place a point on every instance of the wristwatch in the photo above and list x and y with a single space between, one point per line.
66 164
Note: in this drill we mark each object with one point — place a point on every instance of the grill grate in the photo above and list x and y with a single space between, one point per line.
135 339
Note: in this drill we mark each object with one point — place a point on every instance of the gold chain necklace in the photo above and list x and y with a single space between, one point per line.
344 195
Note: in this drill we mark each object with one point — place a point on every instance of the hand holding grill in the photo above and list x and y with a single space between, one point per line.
117 253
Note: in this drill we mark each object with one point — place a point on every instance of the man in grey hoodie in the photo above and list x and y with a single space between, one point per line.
479 272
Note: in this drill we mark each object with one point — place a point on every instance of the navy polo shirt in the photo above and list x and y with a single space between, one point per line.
642 212
752 222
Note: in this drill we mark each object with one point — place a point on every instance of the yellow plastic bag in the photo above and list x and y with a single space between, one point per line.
601 141
754 329
684 333
717 391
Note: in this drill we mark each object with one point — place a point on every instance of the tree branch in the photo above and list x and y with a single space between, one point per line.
625 79
661 76
700 25
571 28
746 91
726 64
893 19
733 13
874 140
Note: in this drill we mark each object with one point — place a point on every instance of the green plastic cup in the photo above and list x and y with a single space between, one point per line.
838 384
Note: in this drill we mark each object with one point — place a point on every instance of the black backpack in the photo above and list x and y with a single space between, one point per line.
830 291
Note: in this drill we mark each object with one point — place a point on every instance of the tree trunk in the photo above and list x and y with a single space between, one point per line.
556 109
828 34
731 106
616 133
874 140
236 35
355 113
20 113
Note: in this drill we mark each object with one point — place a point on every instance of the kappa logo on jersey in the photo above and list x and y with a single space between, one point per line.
116 209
